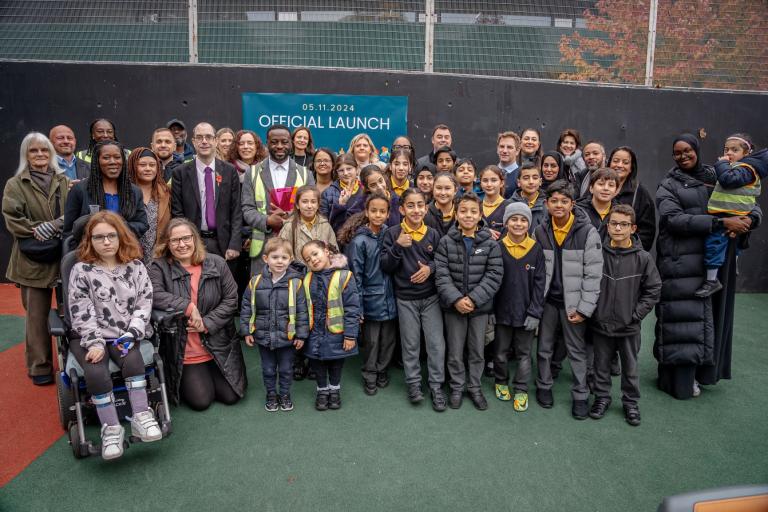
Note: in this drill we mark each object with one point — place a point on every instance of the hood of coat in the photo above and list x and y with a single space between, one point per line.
366 231
338 261
295 270
636 245
481 235
517 196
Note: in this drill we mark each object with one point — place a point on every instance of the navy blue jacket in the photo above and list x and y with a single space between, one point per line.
271 323
522 289
377 296
321 343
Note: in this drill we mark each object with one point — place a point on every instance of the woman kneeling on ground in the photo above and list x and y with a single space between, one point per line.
110 303
204 362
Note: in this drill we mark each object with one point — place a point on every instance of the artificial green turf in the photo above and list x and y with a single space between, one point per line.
11 331
381 453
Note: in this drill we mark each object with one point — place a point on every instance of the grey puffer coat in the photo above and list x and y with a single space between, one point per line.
582 262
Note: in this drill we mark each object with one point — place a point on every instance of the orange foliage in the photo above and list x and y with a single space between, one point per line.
699 43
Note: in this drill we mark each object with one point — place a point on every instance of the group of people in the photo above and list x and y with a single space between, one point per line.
325 256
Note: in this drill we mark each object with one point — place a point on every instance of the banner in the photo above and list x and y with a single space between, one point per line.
333 119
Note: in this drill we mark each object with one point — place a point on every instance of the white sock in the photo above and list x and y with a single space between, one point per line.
711 274
334 388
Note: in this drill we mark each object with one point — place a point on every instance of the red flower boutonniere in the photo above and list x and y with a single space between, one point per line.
218 179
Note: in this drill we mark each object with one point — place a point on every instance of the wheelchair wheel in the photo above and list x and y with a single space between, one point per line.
66 402
74 441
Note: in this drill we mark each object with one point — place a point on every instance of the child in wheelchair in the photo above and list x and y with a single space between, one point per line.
110 303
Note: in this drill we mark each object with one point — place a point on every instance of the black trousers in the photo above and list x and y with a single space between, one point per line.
203 383
97 378
328 372
605 348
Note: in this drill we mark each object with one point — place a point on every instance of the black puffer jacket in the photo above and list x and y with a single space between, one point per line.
684 326
628 291
271 320
217 302
478 276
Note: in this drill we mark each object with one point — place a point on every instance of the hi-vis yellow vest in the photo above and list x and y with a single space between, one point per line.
735 201
293 287
87 157
334 317
260 196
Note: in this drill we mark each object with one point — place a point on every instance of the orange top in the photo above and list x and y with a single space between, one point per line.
195 352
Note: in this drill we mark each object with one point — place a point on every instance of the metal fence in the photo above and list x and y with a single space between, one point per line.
685 43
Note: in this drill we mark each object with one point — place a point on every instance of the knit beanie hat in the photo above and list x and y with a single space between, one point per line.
517 209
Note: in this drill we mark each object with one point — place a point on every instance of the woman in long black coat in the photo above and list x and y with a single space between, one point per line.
693 336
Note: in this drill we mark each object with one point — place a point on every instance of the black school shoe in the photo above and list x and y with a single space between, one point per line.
454 402
544 398
708 288
580 409
478 400
334 399
369 388
438 400
382 380
599 407
321 401
632 415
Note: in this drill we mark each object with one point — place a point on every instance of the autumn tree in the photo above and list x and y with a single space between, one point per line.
699 43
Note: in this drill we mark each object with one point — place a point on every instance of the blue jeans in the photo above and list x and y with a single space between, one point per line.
715 249
274 363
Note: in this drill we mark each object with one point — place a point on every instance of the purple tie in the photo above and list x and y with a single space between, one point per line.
210 200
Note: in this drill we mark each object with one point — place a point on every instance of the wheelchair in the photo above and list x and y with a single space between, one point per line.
76 408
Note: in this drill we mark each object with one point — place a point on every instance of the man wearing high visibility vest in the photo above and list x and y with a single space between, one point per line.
269 190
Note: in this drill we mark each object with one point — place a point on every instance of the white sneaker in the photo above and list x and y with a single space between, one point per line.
144 426
696 388
112 437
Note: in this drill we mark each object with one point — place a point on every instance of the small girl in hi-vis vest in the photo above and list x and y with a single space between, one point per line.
334 319
273 315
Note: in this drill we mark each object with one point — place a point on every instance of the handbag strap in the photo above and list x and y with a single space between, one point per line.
58 202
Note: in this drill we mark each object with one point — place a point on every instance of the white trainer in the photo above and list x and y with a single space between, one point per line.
145 427
112 437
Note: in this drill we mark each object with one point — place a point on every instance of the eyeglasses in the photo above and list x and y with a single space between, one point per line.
322 161
622 225
186 239
112 237
402 146
206 138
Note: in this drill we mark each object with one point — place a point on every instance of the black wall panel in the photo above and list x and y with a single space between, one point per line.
139 98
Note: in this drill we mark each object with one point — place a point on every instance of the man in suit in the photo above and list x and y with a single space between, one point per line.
207 192
441 136
269 189
63 139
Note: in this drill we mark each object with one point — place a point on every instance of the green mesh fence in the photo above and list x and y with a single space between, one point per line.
698 43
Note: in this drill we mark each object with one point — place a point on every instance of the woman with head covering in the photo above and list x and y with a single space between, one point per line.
693 335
